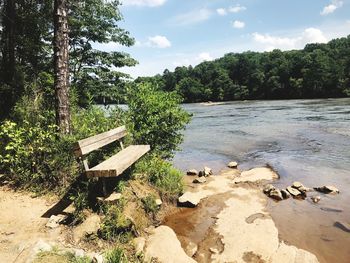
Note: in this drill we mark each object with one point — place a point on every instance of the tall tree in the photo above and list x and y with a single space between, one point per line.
8 56
61 67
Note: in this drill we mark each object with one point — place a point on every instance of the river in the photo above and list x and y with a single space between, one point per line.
303 140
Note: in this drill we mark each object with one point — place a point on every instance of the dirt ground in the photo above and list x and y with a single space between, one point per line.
21 224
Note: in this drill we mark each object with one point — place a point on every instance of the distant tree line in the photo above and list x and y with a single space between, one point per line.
317 71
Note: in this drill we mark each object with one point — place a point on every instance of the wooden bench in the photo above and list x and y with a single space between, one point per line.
115 165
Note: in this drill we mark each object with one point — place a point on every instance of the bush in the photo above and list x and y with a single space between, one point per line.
161 174
116 255
149 204
33 155
115 226
156 118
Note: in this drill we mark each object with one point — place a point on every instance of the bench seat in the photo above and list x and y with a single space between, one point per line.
119 162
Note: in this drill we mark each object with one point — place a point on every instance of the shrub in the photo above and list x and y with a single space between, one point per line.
156 118
149 204
33 155
161 174
116 255
115 226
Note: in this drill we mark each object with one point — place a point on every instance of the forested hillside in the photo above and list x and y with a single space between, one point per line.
317 71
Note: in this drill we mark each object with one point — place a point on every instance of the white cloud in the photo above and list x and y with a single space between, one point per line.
238 24
221 11
236 9
151 3
329 9
232 9
159 42
309 35
205 56
193 17
313 35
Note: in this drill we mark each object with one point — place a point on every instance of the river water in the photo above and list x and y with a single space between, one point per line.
303 140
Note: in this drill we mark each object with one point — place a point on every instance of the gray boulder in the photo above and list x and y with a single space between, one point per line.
189 199
207 171
199 180
268 188
343 226
328 189
297 185
316 199
285 194
294 192
232 165
276 194
192 172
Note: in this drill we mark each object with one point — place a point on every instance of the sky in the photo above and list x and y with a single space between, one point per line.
171 33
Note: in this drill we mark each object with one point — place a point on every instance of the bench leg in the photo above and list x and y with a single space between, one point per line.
104 187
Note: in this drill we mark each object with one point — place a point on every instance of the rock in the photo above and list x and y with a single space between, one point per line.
294 192
164 246
316 199
79 252
285 194
41 246
256 174
113 198
343 226
232 165
330 209
159 202
90 226
139 244
192 172
268 188
54 221
276 194
207 171
297 185
97 258
304 189
191 249
214 250
201 173
189 199
199 180
328 189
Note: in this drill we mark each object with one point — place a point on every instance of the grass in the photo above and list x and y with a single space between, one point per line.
57 256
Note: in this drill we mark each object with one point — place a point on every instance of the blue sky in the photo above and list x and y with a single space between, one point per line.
171 33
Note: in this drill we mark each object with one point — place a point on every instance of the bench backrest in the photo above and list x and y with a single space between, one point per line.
92 143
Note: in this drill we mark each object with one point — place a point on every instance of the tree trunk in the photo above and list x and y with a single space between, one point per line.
61 67
8 67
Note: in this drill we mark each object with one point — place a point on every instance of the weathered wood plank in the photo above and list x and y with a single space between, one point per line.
118 163
92 143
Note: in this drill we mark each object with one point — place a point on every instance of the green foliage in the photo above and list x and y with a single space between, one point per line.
115 226
149 204
94 74
116 255
31 152
156 118
317 71
79 197
161 174
32 155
